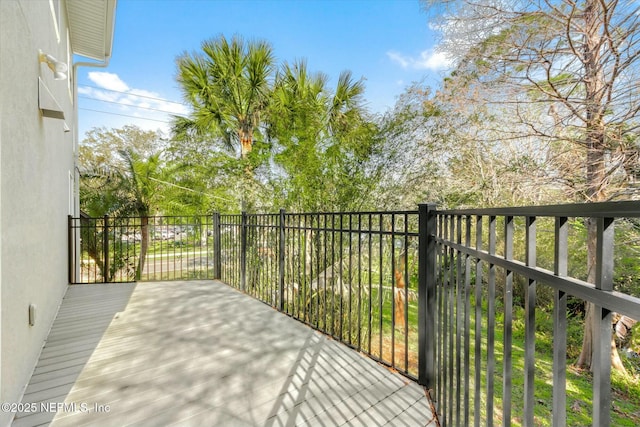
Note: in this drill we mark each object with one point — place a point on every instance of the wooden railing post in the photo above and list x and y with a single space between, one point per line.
281 266
217 250
427 226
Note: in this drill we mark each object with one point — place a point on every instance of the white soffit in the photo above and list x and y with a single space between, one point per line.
91 24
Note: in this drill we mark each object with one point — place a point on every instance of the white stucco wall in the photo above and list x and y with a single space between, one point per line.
36 157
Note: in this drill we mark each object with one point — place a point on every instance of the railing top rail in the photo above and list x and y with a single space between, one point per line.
320 213
130 217
622 209
625 209
400 212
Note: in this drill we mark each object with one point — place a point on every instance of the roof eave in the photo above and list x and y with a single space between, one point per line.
91 27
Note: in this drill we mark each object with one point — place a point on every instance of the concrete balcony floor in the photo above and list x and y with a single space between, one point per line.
199 353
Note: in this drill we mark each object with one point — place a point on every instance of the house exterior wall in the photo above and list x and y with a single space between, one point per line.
36 163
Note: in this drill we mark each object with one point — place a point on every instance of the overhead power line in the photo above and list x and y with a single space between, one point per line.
123 115
128 105
189 189
134 94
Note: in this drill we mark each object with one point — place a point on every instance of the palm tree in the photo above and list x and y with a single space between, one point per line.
318 128
132 189
345 109
142 184
303 97
228 87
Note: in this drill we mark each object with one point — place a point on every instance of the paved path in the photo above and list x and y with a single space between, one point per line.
200 353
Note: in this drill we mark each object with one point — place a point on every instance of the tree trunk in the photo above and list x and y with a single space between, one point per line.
246 142
246 145
144 245
596 167
399 292
586 354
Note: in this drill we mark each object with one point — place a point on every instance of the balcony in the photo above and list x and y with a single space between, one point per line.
448 300
201 353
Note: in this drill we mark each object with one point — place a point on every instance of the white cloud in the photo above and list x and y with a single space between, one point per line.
428 60
142 92
177 109
84 90
106 96
399 58
434 60
143 108
109 81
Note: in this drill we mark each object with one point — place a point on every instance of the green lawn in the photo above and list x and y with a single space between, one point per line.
626 390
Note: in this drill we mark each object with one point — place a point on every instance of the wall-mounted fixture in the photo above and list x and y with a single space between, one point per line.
59 68
47 103
32 314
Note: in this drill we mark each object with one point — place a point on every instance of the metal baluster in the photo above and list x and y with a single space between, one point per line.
602 331
478 326
491 320
560 325
530 324
508 324
467 322
459 320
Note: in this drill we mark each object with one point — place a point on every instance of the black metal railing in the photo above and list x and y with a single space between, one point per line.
436 294
350 275
140 248
484 272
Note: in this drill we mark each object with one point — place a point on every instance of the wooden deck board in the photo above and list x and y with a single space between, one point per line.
201 353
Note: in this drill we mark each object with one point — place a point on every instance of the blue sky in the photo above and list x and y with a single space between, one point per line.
387 42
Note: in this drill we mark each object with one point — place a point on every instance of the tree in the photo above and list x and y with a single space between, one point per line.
142 180
122 173
322 139
228 87
564 70
101 146
412 159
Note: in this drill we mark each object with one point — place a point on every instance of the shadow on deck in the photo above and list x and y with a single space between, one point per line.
202 353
